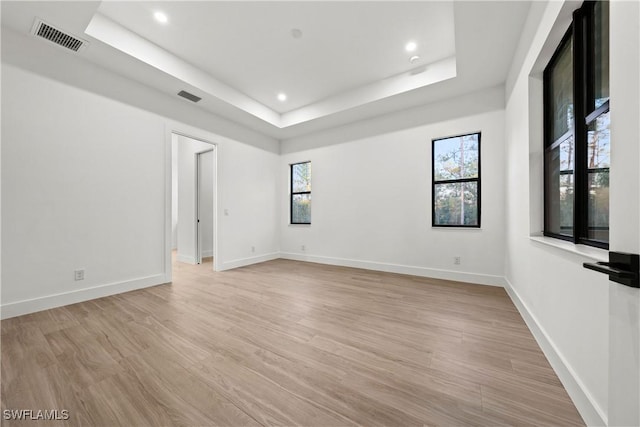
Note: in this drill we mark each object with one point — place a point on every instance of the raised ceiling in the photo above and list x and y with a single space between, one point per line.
250 46
348 64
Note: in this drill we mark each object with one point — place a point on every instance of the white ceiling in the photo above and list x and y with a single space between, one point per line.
349 64
249 45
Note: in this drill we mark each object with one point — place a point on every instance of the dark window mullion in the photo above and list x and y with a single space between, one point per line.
477 180
293 194
586 113
560 236
597 170
546 129
588 56
454 181
584 35
580 142
550 142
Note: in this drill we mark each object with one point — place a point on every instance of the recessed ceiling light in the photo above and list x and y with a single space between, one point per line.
414 58
411 46
282 97
296 33
161 17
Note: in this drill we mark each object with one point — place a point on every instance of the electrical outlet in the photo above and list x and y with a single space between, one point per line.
253 248
303 248
79 274
456 260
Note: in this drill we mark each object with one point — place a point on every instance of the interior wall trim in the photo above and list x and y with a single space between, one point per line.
188 259
19 308
241 262
207 253
591 412
458 276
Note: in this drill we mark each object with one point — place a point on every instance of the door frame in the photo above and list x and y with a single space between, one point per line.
180 129
197 240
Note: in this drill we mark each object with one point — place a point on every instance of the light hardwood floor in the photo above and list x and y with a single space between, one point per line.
285 343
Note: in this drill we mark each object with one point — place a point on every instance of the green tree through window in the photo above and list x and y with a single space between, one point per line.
456 181
301 193
577 138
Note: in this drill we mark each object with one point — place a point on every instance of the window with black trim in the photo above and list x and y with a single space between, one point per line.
300 191
576 129
456 181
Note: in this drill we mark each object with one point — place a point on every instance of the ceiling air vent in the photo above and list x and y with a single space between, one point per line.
55 35
189 96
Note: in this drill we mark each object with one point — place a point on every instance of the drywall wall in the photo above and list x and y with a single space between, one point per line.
82 189
371 204
624 303
187 150
206 187
174 192
564 303
481 101
566 306
86 185
248 209
26 52
0 207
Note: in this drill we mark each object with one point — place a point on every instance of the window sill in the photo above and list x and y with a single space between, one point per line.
596 254
300 225
452 228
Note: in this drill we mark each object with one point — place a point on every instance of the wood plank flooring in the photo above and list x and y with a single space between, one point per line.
285 343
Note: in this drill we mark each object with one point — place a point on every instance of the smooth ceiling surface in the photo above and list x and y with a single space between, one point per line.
349 65
250 46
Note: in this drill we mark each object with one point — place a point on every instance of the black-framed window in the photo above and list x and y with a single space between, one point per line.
576 129
300 193
456 181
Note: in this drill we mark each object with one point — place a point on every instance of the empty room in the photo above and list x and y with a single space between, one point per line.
320 213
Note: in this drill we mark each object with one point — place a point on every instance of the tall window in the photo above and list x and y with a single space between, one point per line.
456 181
577 143
301 193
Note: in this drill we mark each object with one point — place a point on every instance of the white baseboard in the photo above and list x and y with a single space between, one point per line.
590 411
458 276
186 258
228 265
191 259
19 308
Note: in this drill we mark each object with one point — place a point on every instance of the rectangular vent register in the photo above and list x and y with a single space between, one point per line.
55 35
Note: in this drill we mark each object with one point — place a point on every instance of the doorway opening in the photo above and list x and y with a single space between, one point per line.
193 200
204 205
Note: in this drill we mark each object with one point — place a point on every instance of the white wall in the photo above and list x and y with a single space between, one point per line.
174 192
566 306
85 178
206 189
567 303
82 188
26 52
624 303
248 209
187 149
371 204
84 182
